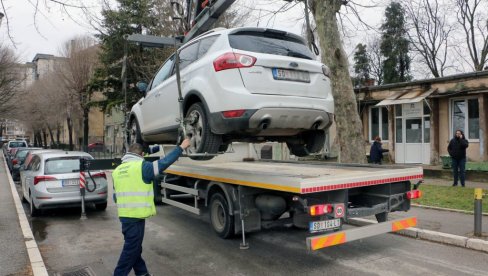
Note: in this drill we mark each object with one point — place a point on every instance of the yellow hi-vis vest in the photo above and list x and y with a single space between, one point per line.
135 199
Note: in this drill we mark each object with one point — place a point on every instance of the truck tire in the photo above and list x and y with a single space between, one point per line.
222 222
202 138
382 217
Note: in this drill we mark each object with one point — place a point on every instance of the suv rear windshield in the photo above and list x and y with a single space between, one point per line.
62 165
17 144
275 43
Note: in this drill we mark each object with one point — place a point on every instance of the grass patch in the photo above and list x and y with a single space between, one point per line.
449 197
477 166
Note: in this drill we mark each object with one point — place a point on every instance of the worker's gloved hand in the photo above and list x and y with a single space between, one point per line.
185 144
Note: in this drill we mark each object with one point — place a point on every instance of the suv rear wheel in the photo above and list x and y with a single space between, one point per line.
313 143
198 130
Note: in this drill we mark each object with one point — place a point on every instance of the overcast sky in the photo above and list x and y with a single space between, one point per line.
46 31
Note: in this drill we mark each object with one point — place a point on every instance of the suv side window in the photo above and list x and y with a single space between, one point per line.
163 72
205 44
188 55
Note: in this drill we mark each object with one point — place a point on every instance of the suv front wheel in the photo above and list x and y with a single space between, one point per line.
198 130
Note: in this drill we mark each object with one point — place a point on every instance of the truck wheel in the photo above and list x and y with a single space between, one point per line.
222 221
198 129
134 135
34 212
313 143
382 217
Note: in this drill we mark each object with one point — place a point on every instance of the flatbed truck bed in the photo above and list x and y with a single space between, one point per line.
317 196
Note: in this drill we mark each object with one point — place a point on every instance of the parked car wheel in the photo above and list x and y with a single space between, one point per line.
222 221
134 135
198 130
34 212
314 142
101 206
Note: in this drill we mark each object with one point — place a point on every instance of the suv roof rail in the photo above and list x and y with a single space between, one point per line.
208 32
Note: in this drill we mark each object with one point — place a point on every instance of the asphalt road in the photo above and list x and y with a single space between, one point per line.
180 243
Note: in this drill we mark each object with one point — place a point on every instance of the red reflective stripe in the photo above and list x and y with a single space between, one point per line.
327 241
403 224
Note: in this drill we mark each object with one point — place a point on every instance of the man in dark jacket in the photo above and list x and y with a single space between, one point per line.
457 151
376 151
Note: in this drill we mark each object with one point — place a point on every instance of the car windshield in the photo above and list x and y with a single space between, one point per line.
17 144
275 43
60 165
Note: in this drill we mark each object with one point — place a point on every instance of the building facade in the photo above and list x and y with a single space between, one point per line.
416 120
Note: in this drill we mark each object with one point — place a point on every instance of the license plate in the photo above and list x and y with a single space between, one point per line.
324 225
291 75
71 182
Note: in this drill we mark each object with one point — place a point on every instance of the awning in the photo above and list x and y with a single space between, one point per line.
403 97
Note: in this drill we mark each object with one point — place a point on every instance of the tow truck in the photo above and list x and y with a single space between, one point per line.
244 195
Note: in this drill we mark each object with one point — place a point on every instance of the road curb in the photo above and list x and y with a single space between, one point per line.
35 258
445 209
434 236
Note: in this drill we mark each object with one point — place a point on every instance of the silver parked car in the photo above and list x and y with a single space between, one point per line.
51 180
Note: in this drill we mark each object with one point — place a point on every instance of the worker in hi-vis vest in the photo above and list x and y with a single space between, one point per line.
134 196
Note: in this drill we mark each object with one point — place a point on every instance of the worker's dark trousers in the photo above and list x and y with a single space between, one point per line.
458 170
131 258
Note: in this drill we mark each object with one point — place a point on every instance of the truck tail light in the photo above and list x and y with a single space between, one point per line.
100 174
233 61
41 178
320 209
233 113
413 194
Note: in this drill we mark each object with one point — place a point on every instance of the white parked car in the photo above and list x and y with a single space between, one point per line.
243 84
51 180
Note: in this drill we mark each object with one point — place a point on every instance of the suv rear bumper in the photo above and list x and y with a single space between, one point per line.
272 121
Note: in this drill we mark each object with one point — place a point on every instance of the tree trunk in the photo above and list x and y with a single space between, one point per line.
349 126
70 132
44 137
51 135
58 134
86 112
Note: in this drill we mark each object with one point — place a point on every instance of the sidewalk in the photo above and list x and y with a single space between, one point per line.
14 259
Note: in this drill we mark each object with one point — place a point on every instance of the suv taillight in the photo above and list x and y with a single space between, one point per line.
41 178
233 61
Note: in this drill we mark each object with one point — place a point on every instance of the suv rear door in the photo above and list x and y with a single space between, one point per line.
284 65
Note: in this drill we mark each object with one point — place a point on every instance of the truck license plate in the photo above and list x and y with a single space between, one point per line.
324 225
291 75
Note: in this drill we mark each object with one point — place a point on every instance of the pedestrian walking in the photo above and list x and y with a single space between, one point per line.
376 151
457 150
134 196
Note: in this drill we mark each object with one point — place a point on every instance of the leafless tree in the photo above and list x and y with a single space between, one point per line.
429 33
376 59
81 60
10 79
472 15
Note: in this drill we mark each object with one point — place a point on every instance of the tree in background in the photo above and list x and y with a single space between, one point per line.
395 45
130 17
430 33
10 79
81 61
361 65
376 60
472 15
349 125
